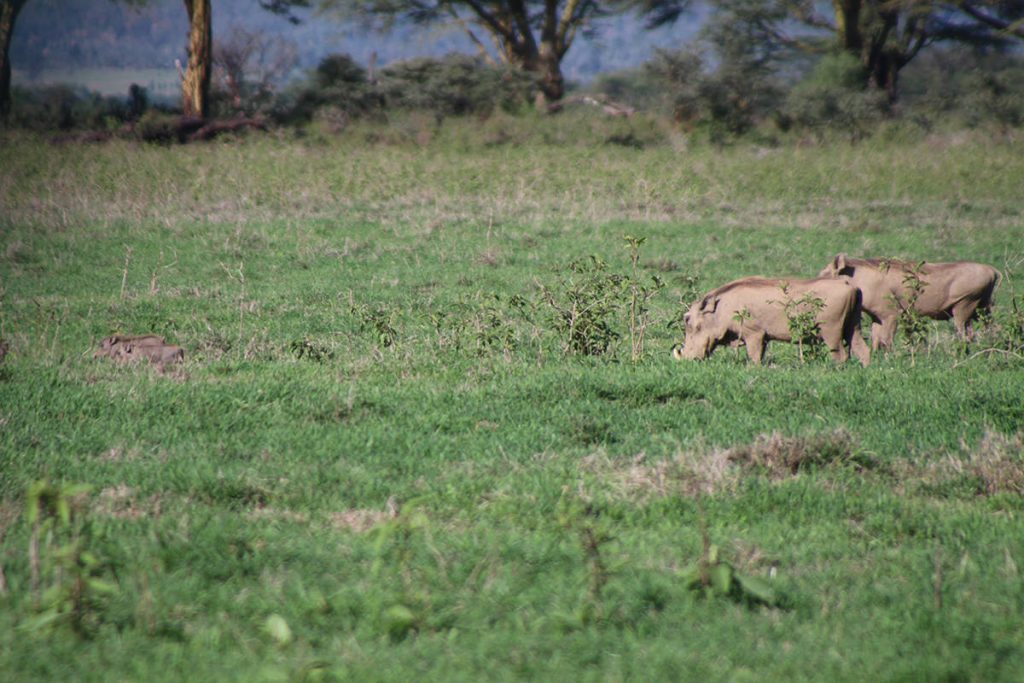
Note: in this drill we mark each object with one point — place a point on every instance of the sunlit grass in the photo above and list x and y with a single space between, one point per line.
377 438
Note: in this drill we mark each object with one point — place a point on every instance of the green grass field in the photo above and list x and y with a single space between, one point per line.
379 462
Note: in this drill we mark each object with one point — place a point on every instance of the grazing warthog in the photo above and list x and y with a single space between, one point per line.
943 291
756 310
151 347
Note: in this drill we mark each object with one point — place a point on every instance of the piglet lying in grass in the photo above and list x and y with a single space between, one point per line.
150 347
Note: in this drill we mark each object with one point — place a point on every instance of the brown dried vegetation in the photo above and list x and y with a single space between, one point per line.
995 466
122 502
692 473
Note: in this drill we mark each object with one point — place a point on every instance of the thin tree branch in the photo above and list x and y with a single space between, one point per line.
491 22
472 36
521 16
1014 28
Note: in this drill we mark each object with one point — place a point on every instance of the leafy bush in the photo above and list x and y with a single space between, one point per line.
726 100
833 97
62 107
337 82
584 307
963 86
454 85
157 126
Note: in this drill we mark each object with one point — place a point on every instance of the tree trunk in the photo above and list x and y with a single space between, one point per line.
549 58
195 85
8 15
552 84
847 14
883 72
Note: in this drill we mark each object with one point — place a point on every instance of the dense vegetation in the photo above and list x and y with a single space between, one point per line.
388 457
677 93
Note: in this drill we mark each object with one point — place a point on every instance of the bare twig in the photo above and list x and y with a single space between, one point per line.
127 262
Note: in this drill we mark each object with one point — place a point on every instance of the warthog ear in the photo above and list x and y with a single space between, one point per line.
839 263
709 304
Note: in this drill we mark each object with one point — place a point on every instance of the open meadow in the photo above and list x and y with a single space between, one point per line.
387 456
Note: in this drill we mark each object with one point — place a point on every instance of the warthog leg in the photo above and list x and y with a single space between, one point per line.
755 342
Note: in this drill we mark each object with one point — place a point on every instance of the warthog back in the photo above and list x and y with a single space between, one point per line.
113 345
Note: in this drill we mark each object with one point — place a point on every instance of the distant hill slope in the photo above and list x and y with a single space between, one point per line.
67 34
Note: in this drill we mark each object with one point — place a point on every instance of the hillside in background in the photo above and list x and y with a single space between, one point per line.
61 35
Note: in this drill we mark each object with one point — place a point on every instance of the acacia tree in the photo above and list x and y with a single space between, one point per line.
8 15
533 35
884 35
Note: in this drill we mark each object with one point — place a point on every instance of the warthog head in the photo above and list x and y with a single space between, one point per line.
703 331
838 267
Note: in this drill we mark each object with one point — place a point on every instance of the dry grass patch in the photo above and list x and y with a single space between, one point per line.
779 457
688 474
274 514
361 520
121 502
995 466
696 472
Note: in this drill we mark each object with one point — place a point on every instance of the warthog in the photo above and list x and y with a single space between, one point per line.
756 310
114 345
165 353
944 290
151 347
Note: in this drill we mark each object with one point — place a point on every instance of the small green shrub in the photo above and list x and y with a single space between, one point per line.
714 577
379 320
804 327
304 349
913 324
584 306
157 126
641 292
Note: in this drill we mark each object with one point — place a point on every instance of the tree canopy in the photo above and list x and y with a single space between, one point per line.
884 35
533 35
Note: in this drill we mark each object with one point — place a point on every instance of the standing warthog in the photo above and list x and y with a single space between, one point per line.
756 310
128 349
936 290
